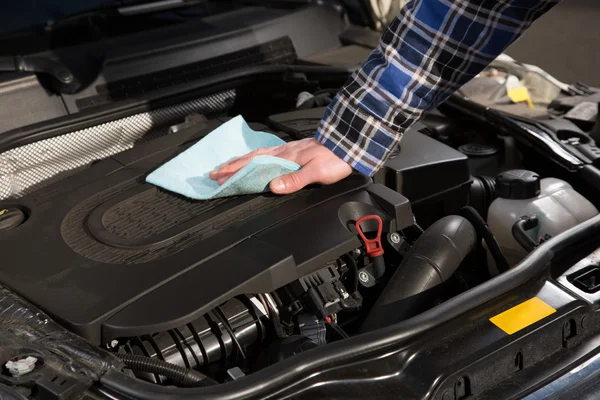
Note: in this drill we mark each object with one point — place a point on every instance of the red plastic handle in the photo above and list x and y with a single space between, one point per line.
373 246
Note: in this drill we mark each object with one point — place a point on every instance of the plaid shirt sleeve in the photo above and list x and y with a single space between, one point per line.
429 51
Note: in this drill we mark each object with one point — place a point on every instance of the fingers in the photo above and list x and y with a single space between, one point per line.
228 169
318 165
325 168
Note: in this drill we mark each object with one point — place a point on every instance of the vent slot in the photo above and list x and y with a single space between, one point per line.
280 51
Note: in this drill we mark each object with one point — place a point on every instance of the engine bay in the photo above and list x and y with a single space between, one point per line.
183 293
229 286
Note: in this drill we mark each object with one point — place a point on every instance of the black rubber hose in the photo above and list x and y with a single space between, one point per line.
378 266
351 264
482 193
433 259
484 232
519 232
179 375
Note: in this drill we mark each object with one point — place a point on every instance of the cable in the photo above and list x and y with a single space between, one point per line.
264 303
223 319
484 232
519 232
338 329
276 321
351 264
179 375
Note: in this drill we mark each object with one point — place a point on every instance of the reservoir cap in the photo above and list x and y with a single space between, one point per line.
10 217
478 150
518 184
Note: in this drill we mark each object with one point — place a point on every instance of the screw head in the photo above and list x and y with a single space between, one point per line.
114 343
363 276
395 238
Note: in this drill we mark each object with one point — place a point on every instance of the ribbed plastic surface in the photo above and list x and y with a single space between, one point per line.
175 222
153 212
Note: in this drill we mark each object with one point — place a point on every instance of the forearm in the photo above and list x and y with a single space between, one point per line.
429 51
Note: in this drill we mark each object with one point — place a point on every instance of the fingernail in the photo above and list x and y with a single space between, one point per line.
278 185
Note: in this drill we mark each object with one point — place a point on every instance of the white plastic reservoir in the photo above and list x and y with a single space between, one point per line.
557 206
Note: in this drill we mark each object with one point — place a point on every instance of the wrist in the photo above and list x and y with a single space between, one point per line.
357 137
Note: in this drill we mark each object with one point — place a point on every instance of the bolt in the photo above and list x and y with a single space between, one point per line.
395 238
343 293
65 76
363 276
114 343
21 366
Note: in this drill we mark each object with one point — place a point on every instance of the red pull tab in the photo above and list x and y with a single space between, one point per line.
373 246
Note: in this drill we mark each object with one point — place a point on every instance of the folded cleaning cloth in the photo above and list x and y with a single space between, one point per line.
188 173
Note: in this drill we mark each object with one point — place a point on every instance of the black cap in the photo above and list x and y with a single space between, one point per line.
518 184
10 218
477 150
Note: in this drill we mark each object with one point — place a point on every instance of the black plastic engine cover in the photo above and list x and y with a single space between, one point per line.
109 255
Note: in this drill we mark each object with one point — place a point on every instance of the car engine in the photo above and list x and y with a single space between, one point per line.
227 285
199 293
204 292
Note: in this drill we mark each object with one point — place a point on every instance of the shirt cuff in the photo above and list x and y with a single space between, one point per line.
355 136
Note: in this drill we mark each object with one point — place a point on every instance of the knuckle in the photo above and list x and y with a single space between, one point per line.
320 173
286 154
294 180
260 152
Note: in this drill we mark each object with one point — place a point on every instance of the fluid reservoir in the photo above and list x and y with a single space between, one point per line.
521 193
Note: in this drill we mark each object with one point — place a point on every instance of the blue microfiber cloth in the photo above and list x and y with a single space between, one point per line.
188 173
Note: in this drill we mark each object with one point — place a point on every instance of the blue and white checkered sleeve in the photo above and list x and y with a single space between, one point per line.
429 51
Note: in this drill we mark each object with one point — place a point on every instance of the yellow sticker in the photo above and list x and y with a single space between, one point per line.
520 94
523 315
2 212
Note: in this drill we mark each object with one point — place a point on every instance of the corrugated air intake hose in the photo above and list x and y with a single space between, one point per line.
179 375
434 258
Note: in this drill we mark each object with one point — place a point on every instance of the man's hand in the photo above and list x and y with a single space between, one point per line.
319 165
